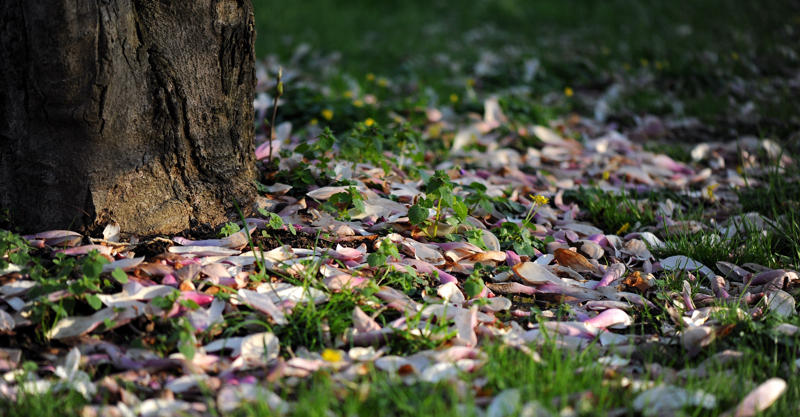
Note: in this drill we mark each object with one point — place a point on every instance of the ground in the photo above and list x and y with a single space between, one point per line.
502 209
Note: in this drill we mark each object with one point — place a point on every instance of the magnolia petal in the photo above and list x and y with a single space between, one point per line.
533 274
440 371
262 303
282 291
681 263
668 399
613 317
574 260
613 273
202 250
451 293
781 303
79 325
511 288
7 322
465 321
257 349
696 337
364 323
157 407
125 264
759 399
231 397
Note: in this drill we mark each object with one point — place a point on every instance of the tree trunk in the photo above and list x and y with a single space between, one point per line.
134 111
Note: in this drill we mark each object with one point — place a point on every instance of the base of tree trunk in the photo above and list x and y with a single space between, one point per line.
133 111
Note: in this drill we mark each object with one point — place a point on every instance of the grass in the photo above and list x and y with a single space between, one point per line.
568 374
753 245
776 195
616 212
666 56
47 404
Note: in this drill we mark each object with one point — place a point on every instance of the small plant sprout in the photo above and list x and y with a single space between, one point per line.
439 195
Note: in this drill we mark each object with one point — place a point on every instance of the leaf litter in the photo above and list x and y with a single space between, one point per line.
410 262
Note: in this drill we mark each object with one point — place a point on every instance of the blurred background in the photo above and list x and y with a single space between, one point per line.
728 68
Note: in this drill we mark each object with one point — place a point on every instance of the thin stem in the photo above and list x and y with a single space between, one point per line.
279 93
438 212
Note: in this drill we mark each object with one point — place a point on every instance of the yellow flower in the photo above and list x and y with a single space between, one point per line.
348 94
539 199
624 228
383 82
327 114
454 98
358 103
331 355
735 56
658 65
470 82
370 77
710 191
739 169
314 121
568 92
606 175
369 122
644 62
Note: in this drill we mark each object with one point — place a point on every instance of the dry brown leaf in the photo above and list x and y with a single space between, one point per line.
574 260
635 280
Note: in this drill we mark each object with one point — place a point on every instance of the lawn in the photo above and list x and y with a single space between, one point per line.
486 208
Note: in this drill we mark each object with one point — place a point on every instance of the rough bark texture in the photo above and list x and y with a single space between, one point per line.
137 111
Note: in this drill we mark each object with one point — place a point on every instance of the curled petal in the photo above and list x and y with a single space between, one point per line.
612 317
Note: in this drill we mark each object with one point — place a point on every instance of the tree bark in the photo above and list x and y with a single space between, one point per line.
134 111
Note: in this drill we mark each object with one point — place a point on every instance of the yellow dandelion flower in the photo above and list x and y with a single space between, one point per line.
383 82
606 175
331 355
739 169
314 121
539 199
624 228
568 92
470 82
370 77
454 98
358 103
369 122
734 56
644 62
348 94
327 114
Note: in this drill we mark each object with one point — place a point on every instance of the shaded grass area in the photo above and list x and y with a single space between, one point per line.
709 59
